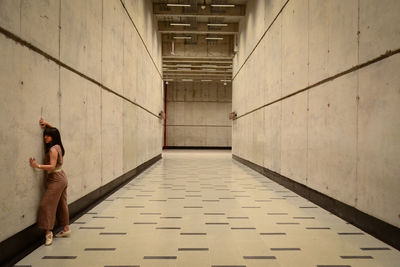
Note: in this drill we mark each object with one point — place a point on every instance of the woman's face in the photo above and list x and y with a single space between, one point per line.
48 139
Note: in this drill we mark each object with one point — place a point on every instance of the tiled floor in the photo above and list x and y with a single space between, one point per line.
201 208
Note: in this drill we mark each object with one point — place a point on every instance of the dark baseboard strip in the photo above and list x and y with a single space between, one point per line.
382 230
199 147
24 242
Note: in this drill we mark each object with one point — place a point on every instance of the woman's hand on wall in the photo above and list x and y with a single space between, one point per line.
33 163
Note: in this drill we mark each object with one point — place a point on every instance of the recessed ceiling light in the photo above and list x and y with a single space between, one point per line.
217 24
179 24
183 37
206 80
221 5
184 69
181 5
214 38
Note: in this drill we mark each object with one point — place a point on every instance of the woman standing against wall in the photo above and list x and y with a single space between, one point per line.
54 201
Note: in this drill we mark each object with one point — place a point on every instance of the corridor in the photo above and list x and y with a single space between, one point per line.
202 208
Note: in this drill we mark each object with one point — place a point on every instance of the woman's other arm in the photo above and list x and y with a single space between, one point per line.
53 161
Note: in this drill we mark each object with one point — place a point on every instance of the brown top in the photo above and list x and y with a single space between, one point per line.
59 158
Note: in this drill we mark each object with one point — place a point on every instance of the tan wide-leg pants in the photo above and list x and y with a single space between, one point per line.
54 202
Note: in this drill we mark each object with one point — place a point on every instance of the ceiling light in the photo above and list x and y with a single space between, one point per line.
225 80
184 69
217 24
168 80
213 5
214 38
206 80
183 37
187 80
179 24
182 5
183 65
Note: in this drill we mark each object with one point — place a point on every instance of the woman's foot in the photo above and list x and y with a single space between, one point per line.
64 233
49 239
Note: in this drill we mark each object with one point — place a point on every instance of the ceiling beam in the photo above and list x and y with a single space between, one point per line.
197 28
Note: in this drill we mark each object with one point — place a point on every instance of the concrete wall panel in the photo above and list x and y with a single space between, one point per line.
378 141
79 49
39 24
81 133
28 89
272 132
332 138
112 54
294 138
273 63
10 15
294 46
379 28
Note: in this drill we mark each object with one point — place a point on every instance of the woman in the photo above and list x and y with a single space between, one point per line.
54 201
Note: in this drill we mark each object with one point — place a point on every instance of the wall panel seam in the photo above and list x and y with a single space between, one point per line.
388 54
30 46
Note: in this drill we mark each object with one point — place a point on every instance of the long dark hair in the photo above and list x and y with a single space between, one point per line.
56 139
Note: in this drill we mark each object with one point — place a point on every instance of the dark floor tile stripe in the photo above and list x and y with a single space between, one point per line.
217 223
193 207
157 200
228 265
160 257
111 233
170 217
192 249
350 233
263 200
277 213
318 228
100 249
59 257
278 198
134 207
144 223
214 213
259 257
91 212
176 198
311 207
287 223
192 195
83 227
243 228
150 213
303 217
79 222
356 257
285 249
168 228
377 248
125 197
272 233
121 265
251 207
237 217
193 233
333 265
22 265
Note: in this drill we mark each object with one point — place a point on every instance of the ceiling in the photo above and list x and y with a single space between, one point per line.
198 38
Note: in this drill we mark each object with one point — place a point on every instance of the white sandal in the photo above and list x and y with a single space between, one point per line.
49 239
64 233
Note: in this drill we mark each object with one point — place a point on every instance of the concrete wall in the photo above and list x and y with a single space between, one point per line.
198 114
101 87
340 137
